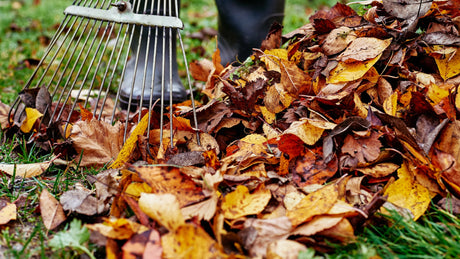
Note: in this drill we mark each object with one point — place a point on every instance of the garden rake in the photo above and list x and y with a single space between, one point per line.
87 60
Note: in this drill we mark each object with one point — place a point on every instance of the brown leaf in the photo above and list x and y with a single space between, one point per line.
295 80
310 168
259 233
51 210
99 141
169 179
143 245
4 119
364 149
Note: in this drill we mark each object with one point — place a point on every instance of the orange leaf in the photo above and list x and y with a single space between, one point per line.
86 115
119 229
169 179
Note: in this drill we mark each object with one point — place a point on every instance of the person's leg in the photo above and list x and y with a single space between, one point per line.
137 81
244 24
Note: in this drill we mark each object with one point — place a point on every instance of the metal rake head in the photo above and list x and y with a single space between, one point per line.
104 51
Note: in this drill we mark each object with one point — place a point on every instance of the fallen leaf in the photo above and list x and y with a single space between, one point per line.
170 179
407 193
119 229
364 149
241 203
51 210
82 201
189 241
25 170
164 208
350 71
317 224
143 245
316 203
98 141
32 115
8 213
285 249
130 144
259 233
379 170
364 48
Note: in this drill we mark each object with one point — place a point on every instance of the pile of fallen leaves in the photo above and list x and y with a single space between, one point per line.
295 147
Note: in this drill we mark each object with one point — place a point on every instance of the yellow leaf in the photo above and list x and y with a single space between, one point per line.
135 189
345 72
32 115
254 139
316 203
407 193
7 213
306 131
130 144
448 62
436 93
164 208
25 170
119 229
189 241
240 202
390 105
268 115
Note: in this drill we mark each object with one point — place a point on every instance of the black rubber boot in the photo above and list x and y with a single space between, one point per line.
244 24
136 83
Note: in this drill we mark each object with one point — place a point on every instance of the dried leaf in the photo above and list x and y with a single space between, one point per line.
164 208
130 144
408 193
350 71
32 115
364 149
240 202
285 249
169 179
99 141
316 203
144 245
317 224
119 229
7 213
4 119
25 170
379 170
259 233
189 241
51 210
364 48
